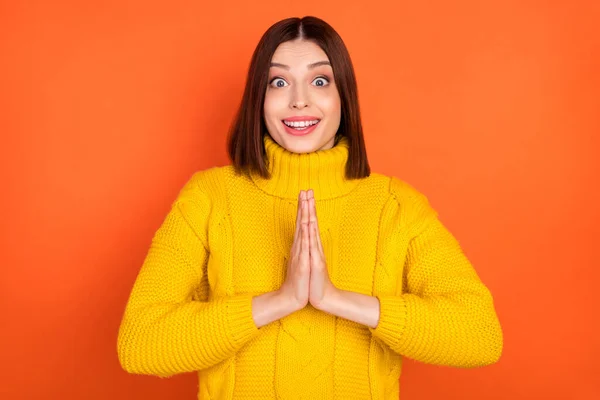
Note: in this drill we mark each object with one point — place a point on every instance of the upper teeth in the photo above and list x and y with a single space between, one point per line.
300 124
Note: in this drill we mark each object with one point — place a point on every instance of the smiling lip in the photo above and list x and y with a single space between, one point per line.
301 118
301 132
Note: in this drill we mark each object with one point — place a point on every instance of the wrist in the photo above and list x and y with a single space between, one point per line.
288 302
330 300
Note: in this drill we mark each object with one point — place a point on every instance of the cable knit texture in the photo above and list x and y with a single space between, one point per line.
227 238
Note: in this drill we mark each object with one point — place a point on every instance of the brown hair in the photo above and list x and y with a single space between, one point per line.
245 143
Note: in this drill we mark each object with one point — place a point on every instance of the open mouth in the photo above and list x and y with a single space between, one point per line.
301 126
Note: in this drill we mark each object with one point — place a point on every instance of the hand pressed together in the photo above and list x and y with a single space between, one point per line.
320 284
307 279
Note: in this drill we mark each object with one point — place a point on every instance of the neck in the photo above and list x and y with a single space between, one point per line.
323 171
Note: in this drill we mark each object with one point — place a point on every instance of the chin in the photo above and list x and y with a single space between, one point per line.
301 144
300 149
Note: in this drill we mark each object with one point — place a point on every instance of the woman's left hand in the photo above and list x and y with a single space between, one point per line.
321 287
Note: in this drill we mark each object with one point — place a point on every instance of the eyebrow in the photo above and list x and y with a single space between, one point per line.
310 66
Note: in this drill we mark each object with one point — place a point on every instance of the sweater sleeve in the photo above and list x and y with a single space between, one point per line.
164 330
446 315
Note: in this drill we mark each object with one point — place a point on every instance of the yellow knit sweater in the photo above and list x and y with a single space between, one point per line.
227 238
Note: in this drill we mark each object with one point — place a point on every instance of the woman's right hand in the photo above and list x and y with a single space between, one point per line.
297 280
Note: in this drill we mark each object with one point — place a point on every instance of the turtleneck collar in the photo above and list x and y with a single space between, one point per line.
323 171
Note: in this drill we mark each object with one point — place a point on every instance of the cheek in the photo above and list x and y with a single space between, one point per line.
273 105
331 105
268 106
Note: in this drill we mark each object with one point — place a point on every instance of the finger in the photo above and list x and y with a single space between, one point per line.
318 238
303 225
316 252
305 253
313 241
305 208
311 208
298 216
320 245
298 231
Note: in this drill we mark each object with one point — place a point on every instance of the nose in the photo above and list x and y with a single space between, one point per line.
299 99
299 104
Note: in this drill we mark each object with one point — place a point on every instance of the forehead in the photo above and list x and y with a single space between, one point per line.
298 52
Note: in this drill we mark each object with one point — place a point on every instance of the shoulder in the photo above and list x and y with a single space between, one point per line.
405 191
202 187
413 204
207 181
198 200
401 190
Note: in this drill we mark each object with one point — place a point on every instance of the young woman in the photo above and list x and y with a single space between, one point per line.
295 272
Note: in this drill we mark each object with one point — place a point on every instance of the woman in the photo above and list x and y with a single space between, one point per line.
295 272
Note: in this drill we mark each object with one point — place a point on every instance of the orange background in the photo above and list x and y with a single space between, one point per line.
489 108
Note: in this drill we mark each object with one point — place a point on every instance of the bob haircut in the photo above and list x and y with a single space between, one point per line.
245 142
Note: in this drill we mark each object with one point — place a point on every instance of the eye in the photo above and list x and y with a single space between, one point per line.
322 79
277 84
